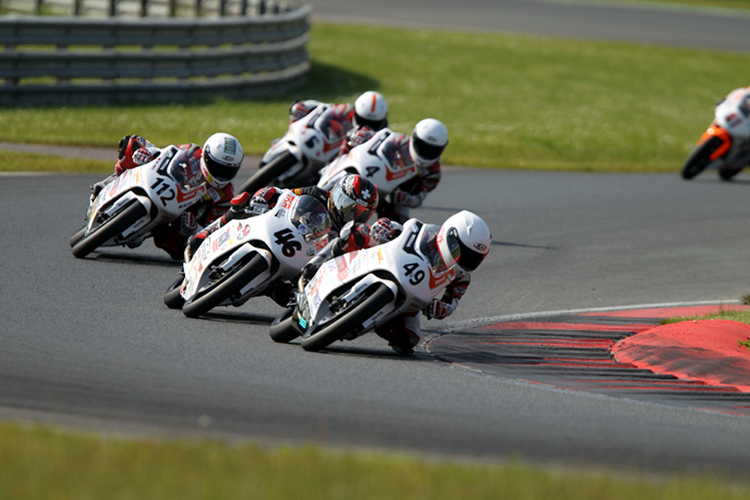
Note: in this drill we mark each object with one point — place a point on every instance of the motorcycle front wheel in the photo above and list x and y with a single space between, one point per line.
282 330
349 320
224 288
266 175
699 159
77 236
109 229
172 297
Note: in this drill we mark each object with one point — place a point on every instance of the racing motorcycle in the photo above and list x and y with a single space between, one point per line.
309 144
242 258
725 146
130 205
355 293
385 160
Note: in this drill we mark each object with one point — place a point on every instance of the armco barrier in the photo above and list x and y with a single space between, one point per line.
102 61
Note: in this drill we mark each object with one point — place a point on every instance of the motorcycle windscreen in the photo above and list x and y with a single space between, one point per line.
310 218
428 246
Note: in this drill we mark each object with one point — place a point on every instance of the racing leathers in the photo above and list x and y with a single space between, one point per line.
172 237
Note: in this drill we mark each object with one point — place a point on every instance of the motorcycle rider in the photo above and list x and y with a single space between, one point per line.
216 164
425 146
368 115
473 238
350 203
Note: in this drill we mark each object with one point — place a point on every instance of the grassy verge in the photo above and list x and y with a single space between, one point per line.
11 161
508 100
721 4
43 463
740 316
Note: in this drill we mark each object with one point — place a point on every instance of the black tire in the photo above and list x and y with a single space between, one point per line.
226 287
699 158
109 229
282 330
77 236
266 175
172 297
349 320
727 174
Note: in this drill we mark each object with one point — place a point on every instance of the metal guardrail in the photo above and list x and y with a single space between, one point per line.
102 61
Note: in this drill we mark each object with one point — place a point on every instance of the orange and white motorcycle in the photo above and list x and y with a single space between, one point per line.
725 146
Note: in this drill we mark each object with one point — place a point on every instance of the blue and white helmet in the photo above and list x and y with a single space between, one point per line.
221 159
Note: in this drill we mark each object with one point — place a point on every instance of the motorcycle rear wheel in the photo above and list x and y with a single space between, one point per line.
227 286
282 330
699 159
349 319
109 229
172 297
727 174
266 175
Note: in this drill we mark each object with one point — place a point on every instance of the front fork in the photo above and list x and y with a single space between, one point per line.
720 133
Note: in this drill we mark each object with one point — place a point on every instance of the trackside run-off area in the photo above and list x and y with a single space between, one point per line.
619 353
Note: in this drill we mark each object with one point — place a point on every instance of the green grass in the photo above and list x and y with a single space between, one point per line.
11 161
740 316
39 463
721 4
508 100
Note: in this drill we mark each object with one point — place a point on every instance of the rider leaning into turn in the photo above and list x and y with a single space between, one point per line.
368 115
426 144
216 164
473 239
350 203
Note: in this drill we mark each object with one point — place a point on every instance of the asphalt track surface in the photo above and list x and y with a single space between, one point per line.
89 342
91 338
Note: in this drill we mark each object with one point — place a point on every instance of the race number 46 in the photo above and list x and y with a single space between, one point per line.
285 239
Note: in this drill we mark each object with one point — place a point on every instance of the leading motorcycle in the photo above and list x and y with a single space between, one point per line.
725 146
130 205
355 293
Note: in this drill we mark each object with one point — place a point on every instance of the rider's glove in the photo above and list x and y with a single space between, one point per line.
384 230
193 243
437 310
258 206
188 222
359 136
142 156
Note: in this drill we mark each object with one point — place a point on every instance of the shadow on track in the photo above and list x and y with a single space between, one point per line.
238 317
147 260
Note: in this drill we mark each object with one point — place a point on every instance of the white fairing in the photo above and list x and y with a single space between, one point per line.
345 278
367 161
275 230
155 186
734 115
307 142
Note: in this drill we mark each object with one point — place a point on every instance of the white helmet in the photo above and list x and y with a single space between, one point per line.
428 140
370 110
221 159
473 236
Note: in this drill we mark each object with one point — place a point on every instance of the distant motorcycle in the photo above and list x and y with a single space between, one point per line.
725 146
130 205
241 259
309 144
355 293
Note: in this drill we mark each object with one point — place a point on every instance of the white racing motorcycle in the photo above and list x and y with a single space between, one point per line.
725 146
130 205
309 144
355 293
384 160
241 259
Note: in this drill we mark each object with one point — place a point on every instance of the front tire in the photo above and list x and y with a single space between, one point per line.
699 159
109 229
172 297
77 236
227 286
349 320
282 330
265 176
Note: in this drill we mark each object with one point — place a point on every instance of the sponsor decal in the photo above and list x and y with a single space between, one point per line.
230 147
302 229
242 231
309 252
443 280
280 214
303 323
287 201
481 247
226 236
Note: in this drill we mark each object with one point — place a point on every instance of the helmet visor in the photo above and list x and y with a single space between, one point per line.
425 150
470 258
348 209
219 171
310 217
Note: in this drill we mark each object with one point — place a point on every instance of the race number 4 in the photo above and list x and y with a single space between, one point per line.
285 239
